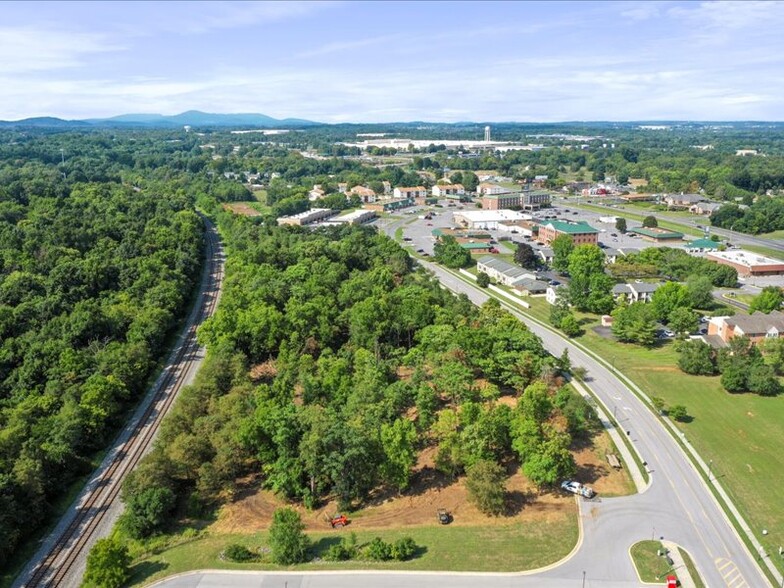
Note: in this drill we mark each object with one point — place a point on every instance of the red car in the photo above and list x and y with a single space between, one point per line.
672 582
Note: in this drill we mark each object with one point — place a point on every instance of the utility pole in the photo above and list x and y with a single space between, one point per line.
583 578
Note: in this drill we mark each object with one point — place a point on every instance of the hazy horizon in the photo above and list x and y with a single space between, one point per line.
382 62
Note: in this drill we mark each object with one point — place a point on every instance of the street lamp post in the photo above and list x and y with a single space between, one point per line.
583 578
710 469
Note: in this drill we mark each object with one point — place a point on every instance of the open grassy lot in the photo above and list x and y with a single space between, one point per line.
773 235
650 566
738 432
511 547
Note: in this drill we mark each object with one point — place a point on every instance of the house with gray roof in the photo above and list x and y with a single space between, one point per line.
635 292
502 271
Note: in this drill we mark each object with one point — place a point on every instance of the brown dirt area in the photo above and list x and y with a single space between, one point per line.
241 208
430 490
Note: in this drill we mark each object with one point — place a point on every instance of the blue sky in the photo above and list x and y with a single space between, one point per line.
398 61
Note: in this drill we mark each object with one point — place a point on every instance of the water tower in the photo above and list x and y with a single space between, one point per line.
487 134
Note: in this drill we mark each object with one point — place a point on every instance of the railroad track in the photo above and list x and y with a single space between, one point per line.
72 544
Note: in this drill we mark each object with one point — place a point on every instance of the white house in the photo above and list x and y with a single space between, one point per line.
636 292
443 190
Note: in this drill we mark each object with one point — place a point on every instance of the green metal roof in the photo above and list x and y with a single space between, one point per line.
571 228
702 244
657 233
475 245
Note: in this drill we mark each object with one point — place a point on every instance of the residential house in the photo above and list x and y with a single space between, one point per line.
413 192
530 287
611 255
317 193
682 200
757 326
367 195
706 208
635 292
553 294
546 254
444 190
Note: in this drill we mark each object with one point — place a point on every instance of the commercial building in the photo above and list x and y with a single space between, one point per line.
487 219
526 200
501 201
657 235
356 217
534 200
757 326
701 246
487 189
389 205
308 217
581 233
503 271
748 264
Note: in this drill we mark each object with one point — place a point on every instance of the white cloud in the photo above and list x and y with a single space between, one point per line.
31 49
201 17
728 15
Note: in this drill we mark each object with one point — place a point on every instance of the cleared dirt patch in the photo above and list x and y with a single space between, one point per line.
241 208
430 490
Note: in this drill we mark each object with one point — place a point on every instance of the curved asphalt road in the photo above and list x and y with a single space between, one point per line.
677 506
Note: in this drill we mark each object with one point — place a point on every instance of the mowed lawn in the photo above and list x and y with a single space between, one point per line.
739 432
500 548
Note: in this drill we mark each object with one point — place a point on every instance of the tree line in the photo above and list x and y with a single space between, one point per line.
332 362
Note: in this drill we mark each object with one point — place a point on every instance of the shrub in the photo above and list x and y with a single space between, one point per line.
378 550
238 553
404 549
343 551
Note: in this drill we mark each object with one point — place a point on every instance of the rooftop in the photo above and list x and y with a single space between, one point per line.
757 323
745 258
702 244
579 228
656 233
491 215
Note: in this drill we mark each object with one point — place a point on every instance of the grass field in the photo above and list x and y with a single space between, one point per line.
500 548
650 566
738 432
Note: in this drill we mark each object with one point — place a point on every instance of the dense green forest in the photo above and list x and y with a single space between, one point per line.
93 277
332 361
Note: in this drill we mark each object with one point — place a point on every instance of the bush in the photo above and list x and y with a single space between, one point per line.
404 549
482 280
678 412
238 553
288 542
343 551
378 550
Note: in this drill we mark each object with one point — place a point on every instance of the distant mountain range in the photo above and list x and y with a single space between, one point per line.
192 118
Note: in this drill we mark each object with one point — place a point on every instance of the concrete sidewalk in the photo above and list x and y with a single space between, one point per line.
678 565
